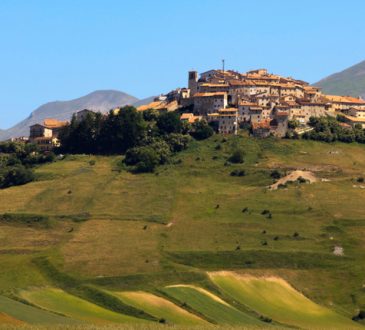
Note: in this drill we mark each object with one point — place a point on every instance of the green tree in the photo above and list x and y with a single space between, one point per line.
201 130
169 122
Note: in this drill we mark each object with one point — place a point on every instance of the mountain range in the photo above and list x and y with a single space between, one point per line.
101 100
350 82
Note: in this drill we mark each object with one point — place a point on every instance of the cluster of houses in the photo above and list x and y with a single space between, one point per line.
45 135
228 99
266 102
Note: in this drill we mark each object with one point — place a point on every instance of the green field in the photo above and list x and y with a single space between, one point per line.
28 314
114 231
160 308
210 306
61 302
275 298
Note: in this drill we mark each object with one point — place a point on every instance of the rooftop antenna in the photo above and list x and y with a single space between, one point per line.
223 64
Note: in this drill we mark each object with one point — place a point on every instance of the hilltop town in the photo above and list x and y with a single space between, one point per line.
228 100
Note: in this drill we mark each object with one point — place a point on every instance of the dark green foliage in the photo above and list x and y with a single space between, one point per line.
237 157
302 180
201 130
177 142
169 122
328 129
276 174
146 158
238 172
292 124
96 134
257 259
15 176
25 219
360 316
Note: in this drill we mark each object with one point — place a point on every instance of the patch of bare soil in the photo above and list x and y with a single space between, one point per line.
294 176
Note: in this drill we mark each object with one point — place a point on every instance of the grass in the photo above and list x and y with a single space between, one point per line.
115 231
61 302
210 306
29 314
159 307
276 299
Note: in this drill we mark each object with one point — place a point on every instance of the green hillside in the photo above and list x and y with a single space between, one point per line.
347 82
89 235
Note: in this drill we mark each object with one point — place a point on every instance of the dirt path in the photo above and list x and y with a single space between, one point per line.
294 176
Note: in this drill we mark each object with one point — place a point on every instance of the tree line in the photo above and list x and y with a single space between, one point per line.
147 139
17 160
329 129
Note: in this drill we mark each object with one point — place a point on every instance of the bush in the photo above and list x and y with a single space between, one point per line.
237 157
146 158
201 130
15 176
238 172
276 174
360 179
177 142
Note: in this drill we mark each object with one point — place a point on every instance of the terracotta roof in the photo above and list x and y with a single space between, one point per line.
54 123
209 94
354 119
281 113
344 99
247 103
187 115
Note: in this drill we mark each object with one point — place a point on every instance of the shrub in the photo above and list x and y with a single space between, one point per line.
92 162
276 174
302 180
237 156
360 180
238 172
177 142
146 158
360 316
15 176
201 130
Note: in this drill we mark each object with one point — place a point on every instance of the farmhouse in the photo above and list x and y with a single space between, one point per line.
46 135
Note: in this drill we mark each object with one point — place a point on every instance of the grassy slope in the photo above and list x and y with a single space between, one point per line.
129 213
214 309
30 314
275 298
61 302
159 307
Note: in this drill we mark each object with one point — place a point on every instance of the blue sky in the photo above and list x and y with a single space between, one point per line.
63 49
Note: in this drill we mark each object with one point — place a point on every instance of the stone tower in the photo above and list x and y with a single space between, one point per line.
193 82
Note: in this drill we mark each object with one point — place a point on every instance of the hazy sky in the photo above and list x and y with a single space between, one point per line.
63 49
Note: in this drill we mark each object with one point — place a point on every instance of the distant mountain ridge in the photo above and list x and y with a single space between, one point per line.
101 100
350 82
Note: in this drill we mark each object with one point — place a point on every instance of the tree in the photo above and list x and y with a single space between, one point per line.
146 158
177 142
15 176
201 130
237 156
169 122
122 131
